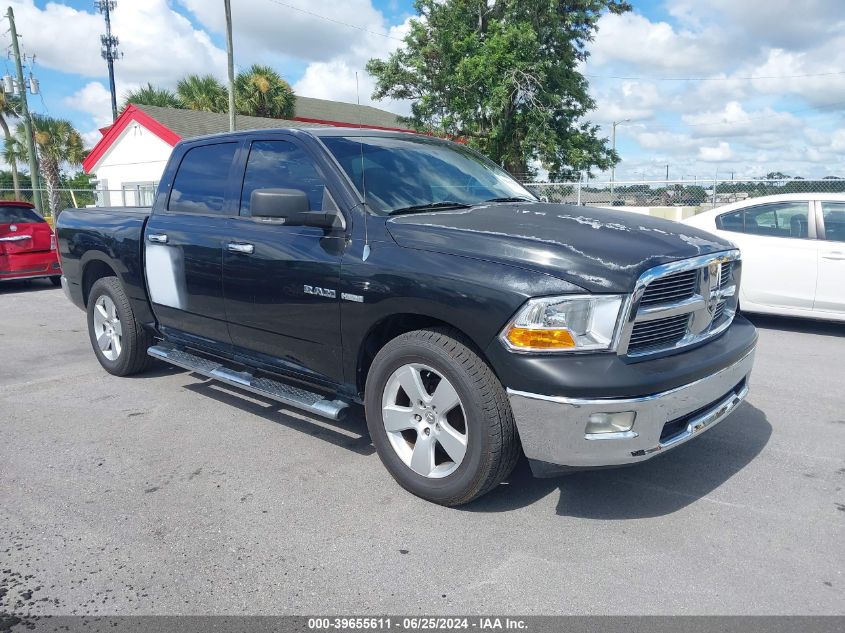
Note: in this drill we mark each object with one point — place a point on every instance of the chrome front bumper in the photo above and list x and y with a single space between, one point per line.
553 428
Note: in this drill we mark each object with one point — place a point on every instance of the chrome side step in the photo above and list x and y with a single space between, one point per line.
286 394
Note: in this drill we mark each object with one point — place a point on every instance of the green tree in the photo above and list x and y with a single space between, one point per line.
151 95
80 184
202 92
57 144
260 91
9 109
504 76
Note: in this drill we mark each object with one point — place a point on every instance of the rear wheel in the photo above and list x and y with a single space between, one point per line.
119 342
439 418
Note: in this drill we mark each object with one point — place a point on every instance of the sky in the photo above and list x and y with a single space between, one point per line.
711 88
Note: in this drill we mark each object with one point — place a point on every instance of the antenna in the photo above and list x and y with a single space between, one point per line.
366 252
109 44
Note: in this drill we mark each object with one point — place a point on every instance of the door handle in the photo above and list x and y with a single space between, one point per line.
15 238
835 256
159 238
236 247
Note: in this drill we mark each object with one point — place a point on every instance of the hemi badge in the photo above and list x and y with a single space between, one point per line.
350 297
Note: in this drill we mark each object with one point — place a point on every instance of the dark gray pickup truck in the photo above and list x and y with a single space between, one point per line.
328 267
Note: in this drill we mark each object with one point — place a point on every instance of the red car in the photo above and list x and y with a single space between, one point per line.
27 244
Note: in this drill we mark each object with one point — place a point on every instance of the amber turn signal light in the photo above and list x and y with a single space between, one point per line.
530 338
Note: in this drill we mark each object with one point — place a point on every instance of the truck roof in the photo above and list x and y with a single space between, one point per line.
315 131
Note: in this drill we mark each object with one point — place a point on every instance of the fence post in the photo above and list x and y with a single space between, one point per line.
715 185
579 189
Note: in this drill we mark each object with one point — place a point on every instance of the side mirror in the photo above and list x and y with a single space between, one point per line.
278 203
293 207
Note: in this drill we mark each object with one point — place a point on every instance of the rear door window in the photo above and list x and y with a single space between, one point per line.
200 182
834 221
19 215
780 219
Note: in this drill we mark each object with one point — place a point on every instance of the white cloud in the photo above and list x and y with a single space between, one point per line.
667 142
635 101
269 32
734 121
93 99
263 27
633 40
775 23
335 79
746 125
159 44
720 153
837 141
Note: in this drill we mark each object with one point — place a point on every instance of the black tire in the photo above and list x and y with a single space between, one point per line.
56 281
493 447
134 339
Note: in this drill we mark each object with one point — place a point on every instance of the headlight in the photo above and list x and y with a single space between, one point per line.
562 324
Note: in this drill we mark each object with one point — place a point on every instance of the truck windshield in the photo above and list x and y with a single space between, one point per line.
412 174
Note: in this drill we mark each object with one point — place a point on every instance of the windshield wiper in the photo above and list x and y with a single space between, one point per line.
430 206
511 199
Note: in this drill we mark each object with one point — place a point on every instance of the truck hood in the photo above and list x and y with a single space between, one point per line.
600 250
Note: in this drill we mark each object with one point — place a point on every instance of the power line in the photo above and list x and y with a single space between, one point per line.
328 19
750 78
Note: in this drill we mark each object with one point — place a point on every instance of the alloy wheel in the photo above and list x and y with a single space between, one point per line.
107 328
425 420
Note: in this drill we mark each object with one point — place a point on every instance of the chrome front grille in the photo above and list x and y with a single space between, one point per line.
680 304
674 287
725 274
658 333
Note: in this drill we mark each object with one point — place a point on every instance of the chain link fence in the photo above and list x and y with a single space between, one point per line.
697 194
702 194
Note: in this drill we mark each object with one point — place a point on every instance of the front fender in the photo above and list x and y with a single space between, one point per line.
474 296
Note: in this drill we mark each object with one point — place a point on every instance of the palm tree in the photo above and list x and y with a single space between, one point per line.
202 92
260 91
9 108
150 95
57 144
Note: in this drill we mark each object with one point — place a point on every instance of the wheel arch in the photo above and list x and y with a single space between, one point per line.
391 326
94 270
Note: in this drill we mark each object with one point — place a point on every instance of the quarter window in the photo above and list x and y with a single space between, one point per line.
834 221
283 165
200 182
782 219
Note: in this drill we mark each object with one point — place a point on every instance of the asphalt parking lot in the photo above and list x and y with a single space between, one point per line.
168 494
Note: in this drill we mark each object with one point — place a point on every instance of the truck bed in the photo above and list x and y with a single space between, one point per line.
94 237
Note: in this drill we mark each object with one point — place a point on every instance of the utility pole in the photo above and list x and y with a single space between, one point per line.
109 50
613 167
27 122
231 63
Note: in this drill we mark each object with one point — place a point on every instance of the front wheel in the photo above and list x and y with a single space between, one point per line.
119 341
439 418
